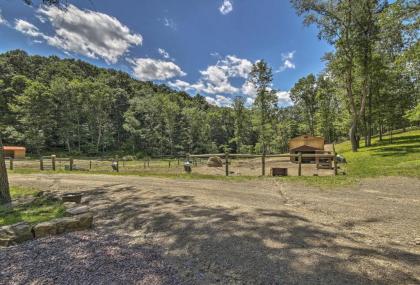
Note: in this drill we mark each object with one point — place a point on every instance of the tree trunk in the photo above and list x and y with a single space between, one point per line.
4 181
353 135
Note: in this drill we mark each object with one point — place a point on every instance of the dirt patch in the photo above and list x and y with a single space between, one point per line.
262 231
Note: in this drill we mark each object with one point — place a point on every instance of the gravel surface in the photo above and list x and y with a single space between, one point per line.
251 232
83 258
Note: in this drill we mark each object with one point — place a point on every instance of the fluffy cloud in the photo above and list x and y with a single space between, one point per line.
85 32
149 69
163 53
28 29
284 98
216 78
2 20
226 7
219 100
287 61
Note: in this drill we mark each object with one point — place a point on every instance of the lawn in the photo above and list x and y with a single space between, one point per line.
401 157
29 207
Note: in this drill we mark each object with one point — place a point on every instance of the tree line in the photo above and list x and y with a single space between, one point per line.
369 85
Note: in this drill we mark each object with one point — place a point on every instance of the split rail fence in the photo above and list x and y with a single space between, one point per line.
165 164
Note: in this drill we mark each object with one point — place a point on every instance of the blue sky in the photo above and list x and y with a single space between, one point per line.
204 46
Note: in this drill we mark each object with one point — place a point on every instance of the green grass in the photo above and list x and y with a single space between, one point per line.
38 209
399 158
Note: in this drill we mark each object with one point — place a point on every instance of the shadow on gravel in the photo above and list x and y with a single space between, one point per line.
261 246
84 258
216 244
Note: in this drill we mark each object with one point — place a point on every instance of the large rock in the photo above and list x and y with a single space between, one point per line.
76 211
14 234
45 229
64 225
214 161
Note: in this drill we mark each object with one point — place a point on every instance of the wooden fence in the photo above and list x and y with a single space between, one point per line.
53 163
263 157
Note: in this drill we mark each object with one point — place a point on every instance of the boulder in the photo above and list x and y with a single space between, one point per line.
45 229
64 225
76 211
214 161
14 234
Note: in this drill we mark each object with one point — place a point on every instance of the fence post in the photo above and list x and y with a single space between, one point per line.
227 163
148 162
53 162
41 164
335 165
263 164
144 163
90 164
169 163
11 163
71 164
118 165
300 164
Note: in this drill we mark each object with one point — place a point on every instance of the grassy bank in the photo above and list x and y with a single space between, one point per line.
28 207
397 157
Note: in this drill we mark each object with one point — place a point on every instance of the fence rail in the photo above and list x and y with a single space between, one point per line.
172 164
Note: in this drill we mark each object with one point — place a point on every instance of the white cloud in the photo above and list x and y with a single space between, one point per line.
170 23
149 69
2 20
284 98
28 28
287 61
163 53
249 90
226 7
216 78
85 32
219 100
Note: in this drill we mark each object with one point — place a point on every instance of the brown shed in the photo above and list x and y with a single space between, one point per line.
14 151
306 145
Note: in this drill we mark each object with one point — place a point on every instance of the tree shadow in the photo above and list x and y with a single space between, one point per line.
214 244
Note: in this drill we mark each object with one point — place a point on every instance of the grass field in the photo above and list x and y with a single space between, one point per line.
29 208
399 158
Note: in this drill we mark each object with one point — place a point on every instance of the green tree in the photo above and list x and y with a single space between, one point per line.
265 104
303 94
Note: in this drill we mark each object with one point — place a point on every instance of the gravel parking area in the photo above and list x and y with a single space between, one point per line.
226 232
84 258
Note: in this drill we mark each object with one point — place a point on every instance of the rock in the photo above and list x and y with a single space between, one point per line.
68 205
64 225
214 161
77 211
417 241
45 229
14 234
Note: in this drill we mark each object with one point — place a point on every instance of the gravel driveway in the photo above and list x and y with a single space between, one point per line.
208 231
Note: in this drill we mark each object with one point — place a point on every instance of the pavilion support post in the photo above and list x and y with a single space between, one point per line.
11 163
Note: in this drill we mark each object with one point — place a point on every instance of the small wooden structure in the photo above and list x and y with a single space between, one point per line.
14 151
277 171
306 145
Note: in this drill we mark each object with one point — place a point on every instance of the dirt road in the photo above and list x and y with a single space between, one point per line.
260 231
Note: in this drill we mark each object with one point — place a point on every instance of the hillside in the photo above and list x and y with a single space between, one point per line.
385 158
